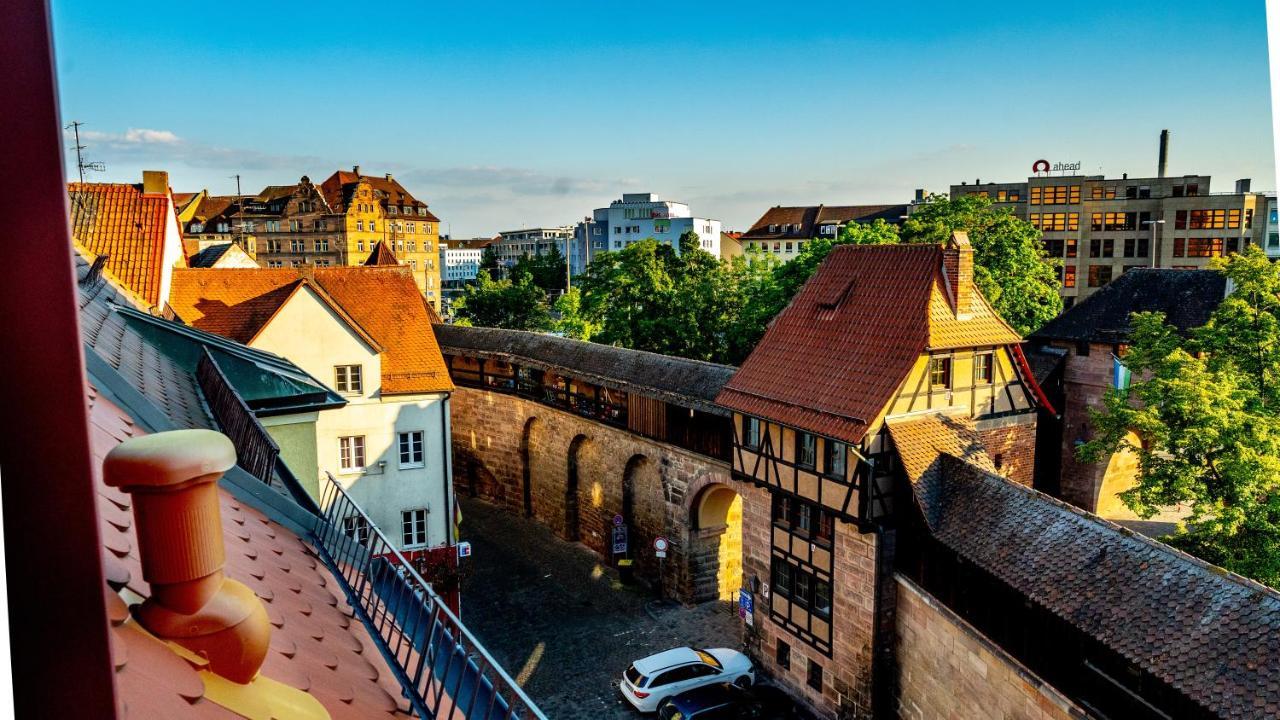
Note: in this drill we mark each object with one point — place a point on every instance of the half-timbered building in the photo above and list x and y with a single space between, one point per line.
885 343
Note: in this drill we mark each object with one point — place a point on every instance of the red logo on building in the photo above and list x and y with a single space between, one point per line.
1040 166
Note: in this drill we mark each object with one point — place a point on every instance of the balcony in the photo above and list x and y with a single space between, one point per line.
443 669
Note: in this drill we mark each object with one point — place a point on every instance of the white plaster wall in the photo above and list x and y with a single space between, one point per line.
309 333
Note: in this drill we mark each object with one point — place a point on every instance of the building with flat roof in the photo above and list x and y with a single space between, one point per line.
636 217
511 245
1102 227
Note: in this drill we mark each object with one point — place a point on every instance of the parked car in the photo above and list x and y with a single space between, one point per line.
725 701
653 679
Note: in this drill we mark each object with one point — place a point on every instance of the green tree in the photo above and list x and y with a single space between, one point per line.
547 270
1206 408
489 261
514 304
1010 263
571 320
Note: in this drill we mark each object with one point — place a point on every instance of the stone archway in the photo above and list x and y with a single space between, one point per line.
715 552
526 469
572 507
1121 474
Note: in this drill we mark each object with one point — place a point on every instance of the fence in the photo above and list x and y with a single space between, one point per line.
443 668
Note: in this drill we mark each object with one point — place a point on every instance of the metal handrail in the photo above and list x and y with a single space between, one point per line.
443 668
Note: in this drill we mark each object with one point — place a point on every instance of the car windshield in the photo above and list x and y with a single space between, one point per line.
635 677
709 659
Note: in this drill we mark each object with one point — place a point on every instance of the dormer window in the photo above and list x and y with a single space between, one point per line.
773 228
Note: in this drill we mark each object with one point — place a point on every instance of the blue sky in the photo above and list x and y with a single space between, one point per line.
506 115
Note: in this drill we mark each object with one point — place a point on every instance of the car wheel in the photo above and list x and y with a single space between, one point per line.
743 682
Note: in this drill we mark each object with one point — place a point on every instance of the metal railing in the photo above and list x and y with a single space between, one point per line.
256 451
443 669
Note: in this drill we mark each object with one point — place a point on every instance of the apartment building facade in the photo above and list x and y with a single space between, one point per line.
366 332
1101 227
784 231
334 223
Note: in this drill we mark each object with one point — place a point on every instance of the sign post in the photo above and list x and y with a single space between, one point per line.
660 546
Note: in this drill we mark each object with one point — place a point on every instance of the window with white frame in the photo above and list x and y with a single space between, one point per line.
351 453
356 527
413 528
411 448
348 379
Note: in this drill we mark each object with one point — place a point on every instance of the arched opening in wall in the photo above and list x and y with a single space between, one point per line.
636 465
1122 474
715 558
526 468
572 514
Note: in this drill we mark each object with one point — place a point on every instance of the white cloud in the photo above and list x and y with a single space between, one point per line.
144 135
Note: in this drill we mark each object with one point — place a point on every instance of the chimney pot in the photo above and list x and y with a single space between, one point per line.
389 177
355 169
155 182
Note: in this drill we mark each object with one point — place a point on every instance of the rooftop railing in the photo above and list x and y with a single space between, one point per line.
443 669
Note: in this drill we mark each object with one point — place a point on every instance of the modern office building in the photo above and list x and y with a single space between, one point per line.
784 231
459 265
635 217
1101 227
514 244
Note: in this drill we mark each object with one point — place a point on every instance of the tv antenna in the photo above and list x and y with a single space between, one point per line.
81 164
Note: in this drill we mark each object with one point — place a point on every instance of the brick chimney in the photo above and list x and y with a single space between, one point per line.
957 267
155 183
172 479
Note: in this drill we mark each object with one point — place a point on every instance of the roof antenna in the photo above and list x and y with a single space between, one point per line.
81 164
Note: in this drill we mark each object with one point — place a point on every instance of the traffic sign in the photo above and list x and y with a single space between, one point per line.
620 540
660 546
617 521
464 549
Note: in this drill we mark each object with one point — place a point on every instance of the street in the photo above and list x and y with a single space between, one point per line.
560 622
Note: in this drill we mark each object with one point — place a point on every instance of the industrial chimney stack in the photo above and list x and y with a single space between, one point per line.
1163 167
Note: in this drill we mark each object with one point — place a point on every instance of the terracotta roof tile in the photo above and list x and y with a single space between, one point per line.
314 647
382 255
832 360
922 440
119 221
383 302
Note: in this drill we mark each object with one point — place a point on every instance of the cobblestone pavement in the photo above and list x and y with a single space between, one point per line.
561 623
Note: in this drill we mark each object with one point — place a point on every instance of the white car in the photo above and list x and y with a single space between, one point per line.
650 681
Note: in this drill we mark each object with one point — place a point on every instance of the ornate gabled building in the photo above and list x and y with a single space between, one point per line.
334 223
882 343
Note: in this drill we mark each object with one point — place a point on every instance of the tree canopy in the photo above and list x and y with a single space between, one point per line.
1206 407
1010 265
516 304
547 270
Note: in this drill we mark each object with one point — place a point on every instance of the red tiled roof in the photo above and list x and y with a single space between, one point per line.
832 360
803 221
337 189
922 440
315 646
119 221
382 302
382 255
212 206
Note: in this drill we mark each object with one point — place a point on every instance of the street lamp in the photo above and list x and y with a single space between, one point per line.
1154 250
